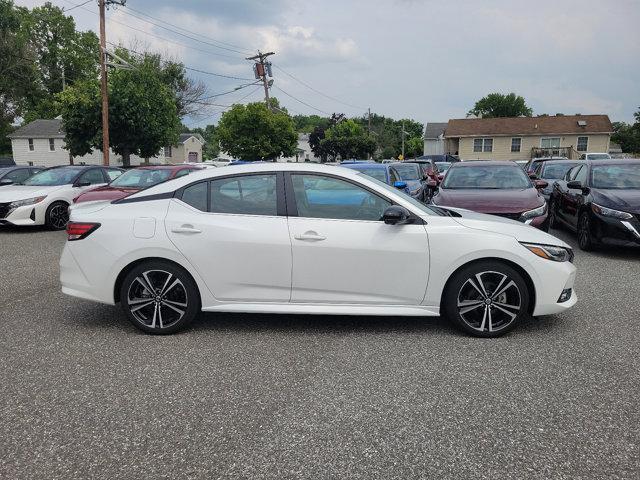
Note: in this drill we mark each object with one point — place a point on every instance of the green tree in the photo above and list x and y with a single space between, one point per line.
348 139
253 132
500 105
627 136
142 114
63 56
414 147
211 147
307 123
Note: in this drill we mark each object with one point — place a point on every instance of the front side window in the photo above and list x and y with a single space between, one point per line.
31 144
318 196
581 175
583 142
571 174
246 195
516 144
52 144
92 177
483 144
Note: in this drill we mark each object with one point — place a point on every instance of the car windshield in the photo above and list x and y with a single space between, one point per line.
619 177
420 206
141 178
598 156
556 171
486 176
53 176
377 173
408 171
443 166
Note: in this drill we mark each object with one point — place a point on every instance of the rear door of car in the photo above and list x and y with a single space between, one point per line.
234 231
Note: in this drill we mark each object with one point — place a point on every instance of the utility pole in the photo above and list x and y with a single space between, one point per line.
261 69
103 78
369 121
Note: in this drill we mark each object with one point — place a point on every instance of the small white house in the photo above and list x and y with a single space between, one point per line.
434 138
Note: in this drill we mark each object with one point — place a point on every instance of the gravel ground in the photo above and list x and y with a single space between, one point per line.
85 395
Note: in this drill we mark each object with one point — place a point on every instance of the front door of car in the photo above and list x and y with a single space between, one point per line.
574 197
231 232
344 253
91 178
564 197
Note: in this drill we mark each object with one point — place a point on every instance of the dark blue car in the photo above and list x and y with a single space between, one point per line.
380 171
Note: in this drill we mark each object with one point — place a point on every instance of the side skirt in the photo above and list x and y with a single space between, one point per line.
324 309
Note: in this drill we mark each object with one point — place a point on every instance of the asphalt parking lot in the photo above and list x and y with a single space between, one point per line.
85 395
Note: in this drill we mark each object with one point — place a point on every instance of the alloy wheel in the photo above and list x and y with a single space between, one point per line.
58 216
584 237
157 299
489 301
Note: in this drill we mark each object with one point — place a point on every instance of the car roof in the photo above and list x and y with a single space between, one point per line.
614 161
165 167
368 166
491 163
560 162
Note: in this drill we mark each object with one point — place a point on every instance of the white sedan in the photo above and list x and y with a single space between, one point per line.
298 238
44 198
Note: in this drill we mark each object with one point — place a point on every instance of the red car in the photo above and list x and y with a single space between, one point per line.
134 180
496 188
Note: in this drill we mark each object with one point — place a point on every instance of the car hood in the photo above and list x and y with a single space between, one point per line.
627 200
505 226
105 193
490 200
11 193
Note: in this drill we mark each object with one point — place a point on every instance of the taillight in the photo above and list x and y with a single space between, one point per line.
80 230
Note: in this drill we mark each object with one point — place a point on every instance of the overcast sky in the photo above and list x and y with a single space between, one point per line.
423 59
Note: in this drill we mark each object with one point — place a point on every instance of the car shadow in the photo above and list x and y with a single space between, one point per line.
24 229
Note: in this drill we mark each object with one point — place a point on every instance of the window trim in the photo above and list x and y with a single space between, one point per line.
519 144
586 147
292 209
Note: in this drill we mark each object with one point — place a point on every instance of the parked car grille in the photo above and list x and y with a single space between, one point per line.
512 216
4 209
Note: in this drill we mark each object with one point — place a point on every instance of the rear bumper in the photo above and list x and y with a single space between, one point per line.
76 283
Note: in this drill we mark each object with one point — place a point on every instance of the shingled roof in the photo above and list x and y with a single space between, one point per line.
556 125
434 129
40 129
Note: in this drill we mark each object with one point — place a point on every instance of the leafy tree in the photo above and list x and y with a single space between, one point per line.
253 132
348 139
142 114
499 105
627 136
211 147
307 123
414 147
63 55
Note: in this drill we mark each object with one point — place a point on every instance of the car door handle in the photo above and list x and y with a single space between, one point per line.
185 229
310 236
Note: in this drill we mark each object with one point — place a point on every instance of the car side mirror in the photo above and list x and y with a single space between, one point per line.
432 183
82 184
540 184
574 185
533 176
6 182
400 185
396 215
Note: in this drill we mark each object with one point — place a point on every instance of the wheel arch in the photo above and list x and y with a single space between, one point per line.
133 264
525 276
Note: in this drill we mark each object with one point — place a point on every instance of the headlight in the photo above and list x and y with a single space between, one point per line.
609 212
26 201
536 212
550 252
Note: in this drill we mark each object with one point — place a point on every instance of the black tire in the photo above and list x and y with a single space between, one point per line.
480 315
173 304
585 239
57 216
553 219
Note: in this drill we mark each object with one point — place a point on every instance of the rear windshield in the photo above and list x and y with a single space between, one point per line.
486 177
619 177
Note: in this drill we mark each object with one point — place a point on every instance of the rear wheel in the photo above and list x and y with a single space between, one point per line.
159 297
57 216
486 299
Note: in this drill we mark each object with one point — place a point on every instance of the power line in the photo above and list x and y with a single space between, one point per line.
65 10
300 101
184 29
318 91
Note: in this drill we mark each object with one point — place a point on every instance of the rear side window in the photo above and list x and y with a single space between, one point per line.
248 195
196 196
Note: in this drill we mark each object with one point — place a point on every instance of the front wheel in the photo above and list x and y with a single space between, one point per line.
159 297
585 239
486 299
57 216
553 219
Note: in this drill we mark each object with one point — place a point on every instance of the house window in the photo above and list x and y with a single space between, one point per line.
483 144
516 144
167 151
52 144
582 144
553 142
31 144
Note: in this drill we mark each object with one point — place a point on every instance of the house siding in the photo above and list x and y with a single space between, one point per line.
43 157
434 146
502 146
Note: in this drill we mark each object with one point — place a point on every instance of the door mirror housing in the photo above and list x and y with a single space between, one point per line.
6 181
400 185
574 185
540 184
82 184
533 176
396 215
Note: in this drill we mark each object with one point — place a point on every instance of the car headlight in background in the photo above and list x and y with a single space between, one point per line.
25 202
536 212
550 252
609 212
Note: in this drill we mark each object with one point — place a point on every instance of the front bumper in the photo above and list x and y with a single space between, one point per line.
611 231
22 216
558 276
